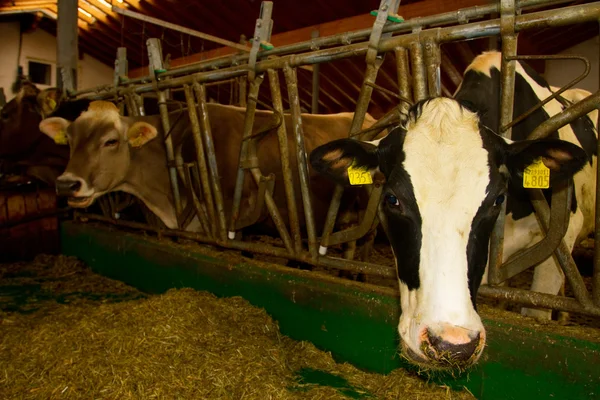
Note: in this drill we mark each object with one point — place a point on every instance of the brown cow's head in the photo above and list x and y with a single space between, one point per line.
20 118
101 142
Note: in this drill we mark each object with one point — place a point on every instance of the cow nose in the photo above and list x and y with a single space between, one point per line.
67 187
452 344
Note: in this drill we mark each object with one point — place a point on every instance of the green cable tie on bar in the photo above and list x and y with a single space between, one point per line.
159 71
391 17
266 46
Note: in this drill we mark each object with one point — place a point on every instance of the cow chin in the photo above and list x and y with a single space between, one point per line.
81 202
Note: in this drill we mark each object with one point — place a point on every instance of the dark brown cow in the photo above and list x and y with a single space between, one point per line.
24 149
110 152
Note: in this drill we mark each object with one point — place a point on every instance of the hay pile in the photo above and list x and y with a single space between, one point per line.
182 344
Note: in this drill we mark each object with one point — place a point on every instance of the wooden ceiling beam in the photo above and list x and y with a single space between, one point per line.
411 10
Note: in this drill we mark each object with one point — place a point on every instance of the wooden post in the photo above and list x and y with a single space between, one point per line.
67 53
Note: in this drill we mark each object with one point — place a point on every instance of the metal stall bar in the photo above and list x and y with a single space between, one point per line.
286 170
418 70
403 72
205 129
210 229
549 18
452 17
315 79
156 64
508 66
433 60
294 100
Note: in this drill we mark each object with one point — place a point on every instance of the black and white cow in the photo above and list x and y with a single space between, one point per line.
446 174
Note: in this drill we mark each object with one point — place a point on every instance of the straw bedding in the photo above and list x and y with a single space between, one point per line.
80 335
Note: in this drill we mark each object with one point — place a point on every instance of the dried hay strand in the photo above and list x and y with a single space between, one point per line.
182 344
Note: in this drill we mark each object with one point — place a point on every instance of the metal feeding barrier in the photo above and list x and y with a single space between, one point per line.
416 46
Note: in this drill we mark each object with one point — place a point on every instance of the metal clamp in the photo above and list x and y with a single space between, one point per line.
262 36
385 16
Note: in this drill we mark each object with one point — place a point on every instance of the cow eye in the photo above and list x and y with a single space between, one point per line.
499 200
111 143
392 200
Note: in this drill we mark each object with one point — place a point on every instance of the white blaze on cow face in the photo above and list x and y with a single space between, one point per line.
449 171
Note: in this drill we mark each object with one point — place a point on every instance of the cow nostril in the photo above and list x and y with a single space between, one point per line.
443 350
67 187
75 186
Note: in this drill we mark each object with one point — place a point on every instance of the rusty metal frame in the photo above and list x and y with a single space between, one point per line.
416 48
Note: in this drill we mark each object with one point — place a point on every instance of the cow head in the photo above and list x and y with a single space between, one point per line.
20 117
446 177
101 142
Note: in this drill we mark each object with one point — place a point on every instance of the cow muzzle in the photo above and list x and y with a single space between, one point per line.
447 347
75 189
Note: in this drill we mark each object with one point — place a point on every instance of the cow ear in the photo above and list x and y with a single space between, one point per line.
27 89
48 100
562 158
333 159
56 128
141 133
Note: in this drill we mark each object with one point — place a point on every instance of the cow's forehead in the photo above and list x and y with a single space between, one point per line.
445 156
100 115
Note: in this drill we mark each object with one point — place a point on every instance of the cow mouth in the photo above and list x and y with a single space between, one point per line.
80 202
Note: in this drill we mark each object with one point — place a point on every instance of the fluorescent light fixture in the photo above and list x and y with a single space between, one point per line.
105 4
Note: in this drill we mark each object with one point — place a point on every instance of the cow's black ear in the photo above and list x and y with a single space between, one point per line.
563 159
334 158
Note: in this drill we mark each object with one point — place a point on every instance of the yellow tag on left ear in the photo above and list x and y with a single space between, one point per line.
536 176
359 176
51 103
61 138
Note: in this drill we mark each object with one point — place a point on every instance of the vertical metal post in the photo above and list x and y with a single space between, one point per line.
596 274
402 68
292 85
509 49
121 66
315 80
286 170
433 59
156 66
200 160
418 71
205 128
67 45
243 81
239 182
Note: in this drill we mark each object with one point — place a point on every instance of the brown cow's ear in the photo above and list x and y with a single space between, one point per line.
28 89
56 128
48 100
141 133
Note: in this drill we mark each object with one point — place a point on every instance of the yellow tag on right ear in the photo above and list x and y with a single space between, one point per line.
359 176
61 138
51 103
536 176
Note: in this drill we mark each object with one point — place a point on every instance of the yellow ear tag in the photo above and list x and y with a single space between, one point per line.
359 176
51 103
536 176
61 138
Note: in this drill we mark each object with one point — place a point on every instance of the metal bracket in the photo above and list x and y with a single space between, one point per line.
266 183
262 36
385 16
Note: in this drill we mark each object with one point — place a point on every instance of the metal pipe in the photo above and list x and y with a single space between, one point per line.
535 299
433 59
403 72
315 81
201 160
179 28
294 101
164 118
508 67
259 248
205 129
418 71
573 112
288 181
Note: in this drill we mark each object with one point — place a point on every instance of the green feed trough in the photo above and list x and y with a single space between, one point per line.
355 322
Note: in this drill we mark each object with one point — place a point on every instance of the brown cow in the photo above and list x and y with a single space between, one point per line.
24 149
110 152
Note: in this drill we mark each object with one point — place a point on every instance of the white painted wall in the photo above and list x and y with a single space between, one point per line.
40 46
561 72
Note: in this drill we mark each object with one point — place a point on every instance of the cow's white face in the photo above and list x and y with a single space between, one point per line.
446 177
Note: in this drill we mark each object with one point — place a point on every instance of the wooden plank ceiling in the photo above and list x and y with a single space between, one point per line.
101 31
